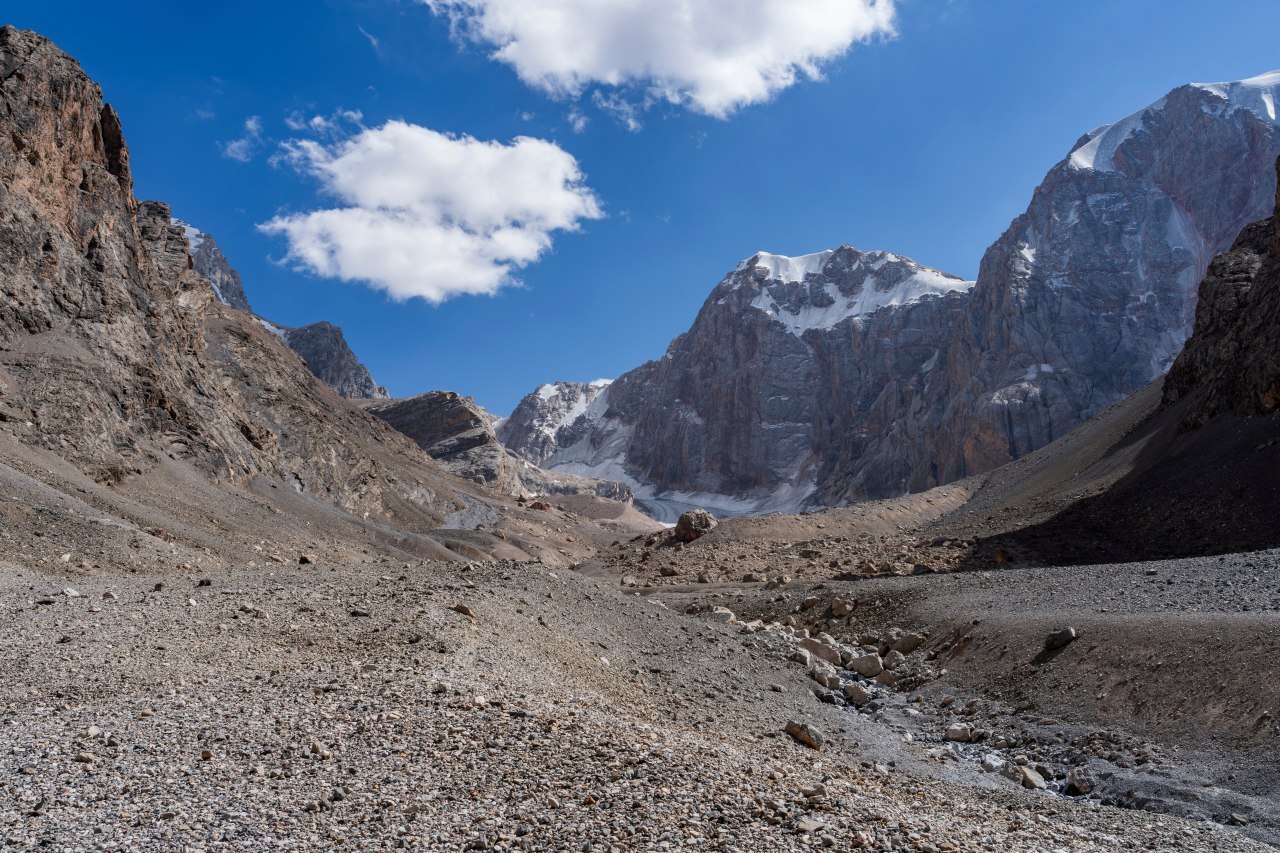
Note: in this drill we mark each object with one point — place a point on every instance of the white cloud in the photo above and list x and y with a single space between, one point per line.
373 40
243 149
715 56
578 120
429 214
331 125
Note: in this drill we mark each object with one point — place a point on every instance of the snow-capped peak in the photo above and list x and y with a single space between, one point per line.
1259 95
849 284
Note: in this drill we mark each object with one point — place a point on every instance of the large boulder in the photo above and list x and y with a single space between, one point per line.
694 524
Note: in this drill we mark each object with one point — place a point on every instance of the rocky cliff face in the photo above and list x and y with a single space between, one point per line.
115 354
322 345
324 348
460 435
802 384
1090 294
788 359
209 261
1232 362
532 429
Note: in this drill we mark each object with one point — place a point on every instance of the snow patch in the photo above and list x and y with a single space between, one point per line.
924 282
782 268
273 329
1258 94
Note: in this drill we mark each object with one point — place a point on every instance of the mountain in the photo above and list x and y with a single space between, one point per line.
532 428
824 379
1190 466
460 435
322 345
144 423
324 348
208 261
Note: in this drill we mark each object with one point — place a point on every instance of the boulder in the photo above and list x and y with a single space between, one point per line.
694 524
1060 639
804 734
868 666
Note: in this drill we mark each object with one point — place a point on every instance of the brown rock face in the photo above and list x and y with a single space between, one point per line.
114 353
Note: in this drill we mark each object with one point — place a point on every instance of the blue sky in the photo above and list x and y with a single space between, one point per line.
927 143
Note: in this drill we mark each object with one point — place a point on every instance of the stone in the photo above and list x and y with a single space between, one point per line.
960 733
856 693
1025 776
887 678
1080 781
464 610
804 734
306 559
361 613
206 755
693 525
908 643
868 666
817 648
704 577
894 659
808 825
1060 639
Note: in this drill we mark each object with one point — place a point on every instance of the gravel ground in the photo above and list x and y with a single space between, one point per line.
348 706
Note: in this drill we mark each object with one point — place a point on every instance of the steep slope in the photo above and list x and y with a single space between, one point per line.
1089 295
115 352
779 399
1189 467
322 345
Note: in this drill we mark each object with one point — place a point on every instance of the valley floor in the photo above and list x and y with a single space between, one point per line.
362 707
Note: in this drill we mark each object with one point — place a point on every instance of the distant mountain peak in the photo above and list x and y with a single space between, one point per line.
823 289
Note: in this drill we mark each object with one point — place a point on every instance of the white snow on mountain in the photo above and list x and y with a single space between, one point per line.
1259 95
782 268
835 307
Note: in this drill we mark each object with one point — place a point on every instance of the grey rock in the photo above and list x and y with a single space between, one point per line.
1060 638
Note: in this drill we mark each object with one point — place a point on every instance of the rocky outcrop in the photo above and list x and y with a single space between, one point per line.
532 429
324 348
209 261
1232 362
460 435
115 354
802 384
1189 466
1090 294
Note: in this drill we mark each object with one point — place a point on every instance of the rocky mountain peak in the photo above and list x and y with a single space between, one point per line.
324 348
823 289
533 428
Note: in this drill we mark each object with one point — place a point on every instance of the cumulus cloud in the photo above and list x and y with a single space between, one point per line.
429 214
243 149
714 56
